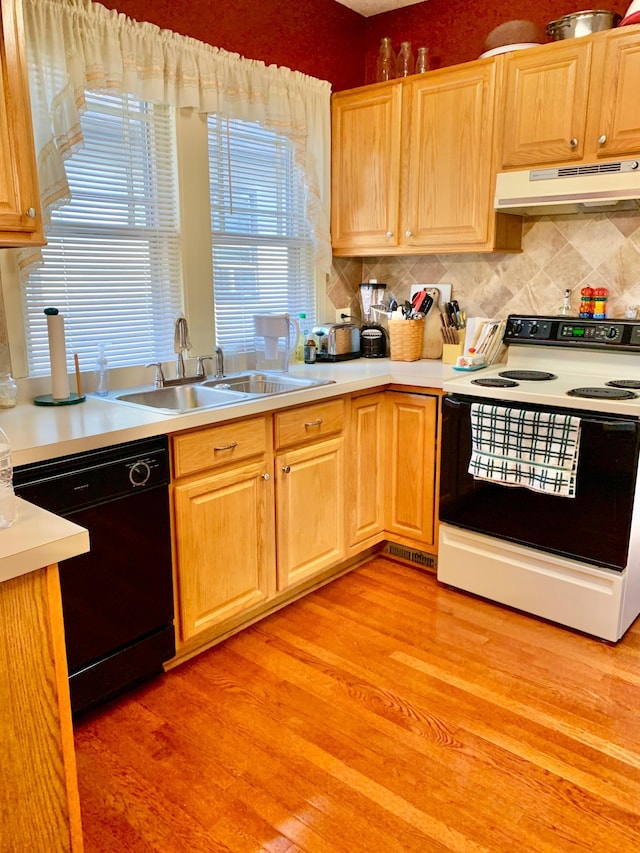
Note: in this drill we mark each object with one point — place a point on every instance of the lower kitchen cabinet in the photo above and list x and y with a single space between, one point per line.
224 545
264 507
410 491
224 525
310 510
310 505
365 461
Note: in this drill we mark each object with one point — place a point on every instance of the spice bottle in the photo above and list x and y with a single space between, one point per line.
600 295
404 64
386 64
310 350
422 62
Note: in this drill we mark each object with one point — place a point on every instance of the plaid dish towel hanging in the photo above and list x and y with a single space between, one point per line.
515 447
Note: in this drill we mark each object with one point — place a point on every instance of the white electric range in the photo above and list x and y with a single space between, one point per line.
572 560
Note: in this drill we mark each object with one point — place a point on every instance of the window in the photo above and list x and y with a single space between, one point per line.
112 263
263 258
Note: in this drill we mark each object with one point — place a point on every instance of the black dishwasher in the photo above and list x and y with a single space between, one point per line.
117 599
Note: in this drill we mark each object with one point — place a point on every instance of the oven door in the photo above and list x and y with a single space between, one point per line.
594 526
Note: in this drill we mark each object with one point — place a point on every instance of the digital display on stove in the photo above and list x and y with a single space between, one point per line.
577 331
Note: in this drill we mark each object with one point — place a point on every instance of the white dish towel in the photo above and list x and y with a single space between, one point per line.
515 447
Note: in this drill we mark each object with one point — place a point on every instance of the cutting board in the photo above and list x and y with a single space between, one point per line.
432 342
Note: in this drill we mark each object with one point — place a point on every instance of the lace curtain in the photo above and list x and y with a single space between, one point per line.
75 45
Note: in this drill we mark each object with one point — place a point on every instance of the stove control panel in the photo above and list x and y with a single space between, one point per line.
578 332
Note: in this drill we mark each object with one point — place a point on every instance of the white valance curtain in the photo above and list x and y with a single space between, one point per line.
75 45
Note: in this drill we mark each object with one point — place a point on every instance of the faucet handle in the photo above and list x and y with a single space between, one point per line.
200 371
158 379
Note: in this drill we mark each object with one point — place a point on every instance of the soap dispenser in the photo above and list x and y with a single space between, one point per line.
102 372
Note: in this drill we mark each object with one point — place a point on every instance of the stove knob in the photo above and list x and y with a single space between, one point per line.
516 327
533 329
612 332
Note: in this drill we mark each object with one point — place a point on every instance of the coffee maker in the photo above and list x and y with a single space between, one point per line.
373 338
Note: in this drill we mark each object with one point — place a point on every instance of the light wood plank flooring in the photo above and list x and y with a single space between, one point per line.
382 713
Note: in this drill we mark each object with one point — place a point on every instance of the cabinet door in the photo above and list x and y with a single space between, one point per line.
309 510
365 167
365 459
614 119
545 104
225 552
411 469
20 220
448 183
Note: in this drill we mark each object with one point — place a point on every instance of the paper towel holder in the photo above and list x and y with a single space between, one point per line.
48 399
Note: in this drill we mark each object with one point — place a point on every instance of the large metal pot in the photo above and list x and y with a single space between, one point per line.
582 24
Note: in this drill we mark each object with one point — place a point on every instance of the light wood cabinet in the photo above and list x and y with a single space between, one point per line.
39 803
573 101
365 460
20 216
223 524
410 490
442 154
365 164
310 504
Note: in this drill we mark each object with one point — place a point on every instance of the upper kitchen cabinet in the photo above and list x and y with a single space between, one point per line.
448 171
365 168
20 218
573 101
413 166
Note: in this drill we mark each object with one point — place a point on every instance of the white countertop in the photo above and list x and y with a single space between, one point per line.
38 538
37 433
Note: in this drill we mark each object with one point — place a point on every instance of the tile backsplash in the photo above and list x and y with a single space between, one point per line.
559 253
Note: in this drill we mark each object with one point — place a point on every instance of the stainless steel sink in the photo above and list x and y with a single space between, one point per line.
264 384
181 398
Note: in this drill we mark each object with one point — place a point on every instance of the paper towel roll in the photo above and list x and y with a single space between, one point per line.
58 357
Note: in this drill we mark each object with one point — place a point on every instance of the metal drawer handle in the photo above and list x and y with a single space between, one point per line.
226 446
314 423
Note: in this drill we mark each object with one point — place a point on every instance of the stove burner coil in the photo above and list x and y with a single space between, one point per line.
623 383
532 375
602 393
494 382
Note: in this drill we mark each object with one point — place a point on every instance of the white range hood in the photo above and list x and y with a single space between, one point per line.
570 189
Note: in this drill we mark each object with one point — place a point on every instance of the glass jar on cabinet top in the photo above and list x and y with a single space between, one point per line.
386 63
405 61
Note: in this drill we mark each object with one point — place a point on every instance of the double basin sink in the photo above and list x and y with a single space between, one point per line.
211 393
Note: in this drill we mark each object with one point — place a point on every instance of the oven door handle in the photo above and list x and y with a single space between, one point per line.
615 426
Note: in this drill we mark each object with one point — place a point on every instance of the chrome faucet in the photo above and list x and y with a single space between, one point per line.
181 343
219 363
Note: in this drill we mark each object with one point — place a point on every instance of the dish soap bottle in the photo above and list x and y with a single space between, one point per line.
102 372
302 339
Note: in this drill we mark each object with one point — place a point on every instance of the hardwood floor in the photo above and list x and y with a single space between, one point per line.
382 713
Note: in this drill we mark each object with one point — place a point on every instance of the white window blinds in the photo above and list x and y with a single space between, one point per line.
262 247
112 263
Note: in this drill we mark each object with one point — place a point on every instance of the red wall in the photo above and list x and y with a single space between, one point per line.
455 30
318 37
326 40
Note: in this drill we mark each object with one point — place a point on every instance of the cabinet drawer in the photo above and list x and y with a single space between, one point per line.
308 423
219 445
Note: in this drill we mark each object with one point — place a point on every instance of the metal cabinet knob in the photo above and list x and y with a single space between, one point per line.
266 476
602 138
389 234
408 233
287 469
31 212
573 142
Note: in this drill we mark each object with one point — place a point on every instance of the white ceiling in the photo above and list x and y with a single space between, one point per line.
374 7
